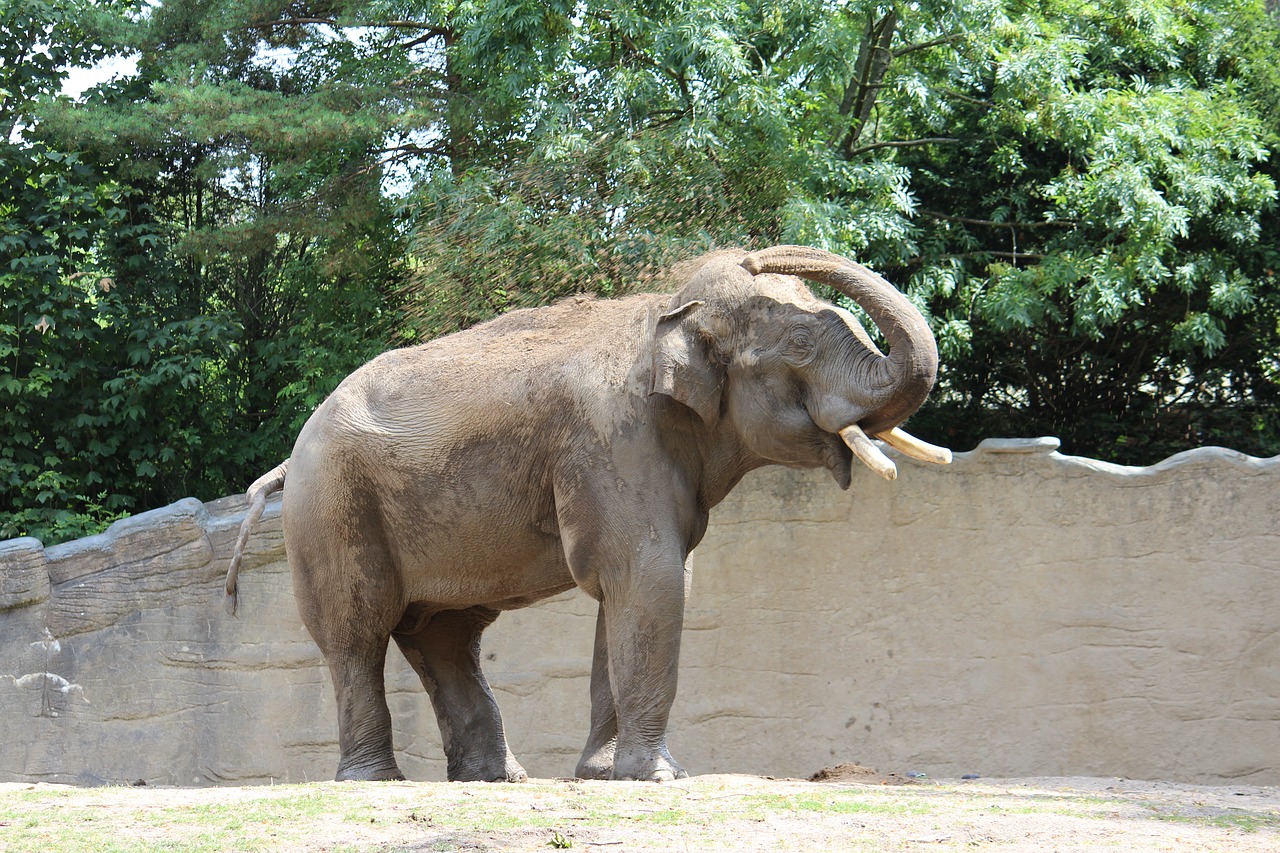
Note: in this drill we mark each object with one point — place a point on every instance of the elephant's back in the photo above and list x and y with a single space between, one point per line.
576 330
538 364
470 414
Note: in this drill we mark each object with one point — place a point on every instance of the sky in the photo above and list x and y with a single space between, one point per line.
397 180
81 79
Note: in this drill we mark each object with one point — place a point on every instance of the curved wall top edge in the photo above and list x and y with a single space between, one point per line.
991 450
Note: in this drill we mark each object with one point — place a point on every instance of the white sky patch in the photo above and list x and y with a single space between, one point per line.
399 177
81 80
276 60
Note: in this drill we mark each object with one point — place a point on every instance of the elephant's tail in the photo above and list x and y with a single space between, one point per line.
266 485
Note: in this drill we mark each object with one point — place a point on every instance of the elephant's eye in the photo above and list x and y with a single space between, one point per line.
800 347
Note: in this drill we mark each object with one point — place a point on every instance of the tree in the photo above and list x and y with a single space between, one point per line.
181 287
1077 195
264 149
1113 286
81 367
663 130
1081 198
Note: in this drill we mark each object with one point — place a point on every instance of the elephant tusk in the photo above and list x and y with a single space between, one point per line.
870 455
915 448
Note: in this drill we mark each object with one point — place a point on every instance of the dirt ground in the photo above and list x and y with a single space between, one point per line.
855 808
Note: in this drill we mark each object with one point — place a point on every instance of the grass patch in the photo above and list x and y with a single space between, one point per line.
43 820
1244 821
715 813
835 802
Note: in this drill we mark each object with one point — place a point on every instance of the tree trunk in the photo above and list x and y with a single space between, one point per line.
860 96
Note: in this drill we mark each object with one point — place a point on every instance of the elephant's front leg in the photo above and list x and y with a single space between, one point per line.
597 757
643 606
626 532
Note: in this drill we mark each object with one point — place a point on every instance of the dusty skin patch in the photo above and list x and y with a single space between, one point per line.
701 813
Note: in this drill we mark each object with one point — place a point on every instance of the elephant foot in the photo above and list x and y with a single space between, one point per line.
596 763
647 766
513 772
508 771
367 773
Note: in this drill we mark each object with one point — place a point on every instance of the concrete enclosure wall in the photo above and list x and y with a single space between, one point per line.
1019 612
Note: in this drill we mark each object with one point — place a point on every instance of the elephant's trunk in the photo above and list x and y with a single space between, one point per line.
897 383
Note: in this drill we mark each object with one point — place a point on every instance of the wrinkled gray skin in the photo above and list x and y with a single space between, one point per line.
580 444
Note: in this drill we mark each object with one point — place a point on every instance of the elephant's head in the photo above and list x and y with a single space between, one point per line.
798 379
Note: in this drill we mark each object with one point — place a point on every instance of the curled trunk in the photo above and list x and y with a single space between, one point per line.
898 382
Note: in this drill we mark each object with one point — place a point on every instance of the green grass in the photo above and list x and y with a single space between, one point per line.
43 820
58 818
389 816
1244 822
837 801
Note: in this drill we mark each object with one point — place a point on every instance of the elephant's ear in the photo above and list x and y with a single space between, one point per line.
685 365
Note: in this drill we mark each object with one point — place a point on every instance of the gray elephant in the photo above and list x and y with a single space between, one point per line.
581 444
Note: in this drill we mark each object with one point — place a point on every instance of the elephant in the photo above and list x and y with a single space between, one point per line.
580 444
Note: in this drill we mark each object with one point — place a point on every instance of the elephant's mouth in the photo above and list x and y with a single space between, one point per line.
858 443
838 459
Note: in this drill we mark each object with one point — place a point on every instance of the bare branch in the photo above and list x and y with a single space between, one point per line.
431 30
961 96
905 143
422 39
435 29
982 253
639 54
994 224
925 45
870 68
405 152
1016 256
289 22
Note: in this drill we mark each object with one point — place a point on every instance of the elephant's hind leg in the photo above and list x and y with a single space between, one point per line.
353 632
364 722
356 654
445 652
355 647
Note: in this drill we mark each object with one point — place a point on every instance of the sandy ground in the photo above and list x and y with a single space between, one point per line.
856 809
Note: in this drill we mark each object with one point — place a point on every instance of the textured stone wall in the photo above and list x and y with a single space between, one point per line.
1019 612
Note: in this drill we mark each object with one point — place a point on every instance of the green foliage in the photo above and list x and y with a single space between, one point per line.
193 259
1115 286
41 40
84 364
662 140
1081 197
